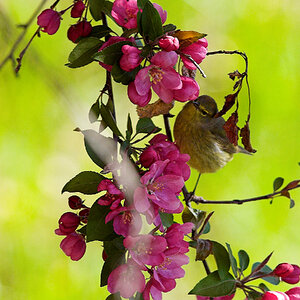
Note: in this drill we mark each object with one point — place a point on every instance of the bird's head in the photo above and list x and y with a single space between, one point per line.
206 107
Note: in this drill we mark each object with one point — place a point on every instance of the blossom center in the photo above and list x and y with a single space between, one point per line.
156 74
127 217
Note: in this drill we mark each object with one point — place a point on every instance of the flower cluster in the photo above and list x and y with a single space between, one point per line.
74 243
162 257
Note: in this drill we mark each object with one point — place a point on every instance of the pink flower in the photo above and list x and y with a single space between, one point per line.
112 40
160 189
49 20
228 297
146 249
113 197
135 98
73 245
293 277
160 75
283 270
169 43
197 51
78 30
189 91
124 13
294 293
75 202
77 9
126 221
149 156
131 58
270 295
153 290
162 13
68 223
126 279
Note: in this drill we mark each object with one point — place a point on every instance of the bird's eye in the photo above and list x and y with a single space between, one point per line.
203 112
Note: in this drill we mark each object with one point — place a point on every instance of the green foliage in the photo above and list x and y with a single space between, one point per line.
96 8
97 230
266 270
233 262
243 260
222 259
278 182
94 112
166 219
146 125
84 51
85 182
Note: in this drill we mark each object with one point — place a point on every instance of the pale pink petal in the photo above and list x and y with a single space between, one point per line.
142 81
164 94
135 98
165 59
141 202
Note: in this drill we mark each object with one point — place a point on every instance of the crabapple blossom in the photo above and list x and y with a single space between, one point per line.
293 277
73 245
270 295
197 51
68 223
78 30
113 197
49 20
294 293
283 270
77 9
131 58
169 43
189 91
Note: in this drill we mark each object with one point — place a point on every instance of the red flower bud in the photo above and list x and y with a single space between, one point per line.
75 202
284 269
73 245
77 9
84 215
78 30
68 222
275 296
49 20
169 43
293 277
104 255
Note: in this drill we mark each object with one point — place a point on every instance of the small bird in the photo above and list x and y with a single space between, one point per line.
198 133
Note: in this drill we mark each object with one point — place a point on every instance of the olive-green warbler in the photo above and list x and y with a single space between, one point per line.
198 133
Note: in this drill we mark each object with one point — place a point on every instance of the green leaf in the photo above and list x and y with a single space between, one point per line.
243 260
263 287
100 31
254 295
109 120
107 9
214 286
96 229
146 125
122 76
292 203
151 25
266 270
141 3
278 182
206 228
138 296
166 219
222 259
114 297
83 53
85 182
96 7
96 147
129 128
94 112
232 260
82 230
169 27
111 54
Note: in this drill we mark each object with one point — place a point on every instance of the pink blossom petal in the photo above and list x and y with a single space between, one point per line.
135 98
165 59
162 13
142 82
141 202
173 182
164 94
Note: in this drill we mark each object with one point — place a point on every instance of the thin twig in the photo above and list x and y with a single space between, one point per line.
195 64
10 55
198 200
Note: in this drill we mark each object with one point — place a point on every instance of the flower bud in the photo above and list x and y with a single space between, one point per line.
294 293
74 246
84 214
131 58
148 157
68 222
104 255
284 269
49 20
169 43
75 202
275 296
77 9
78 30
293 277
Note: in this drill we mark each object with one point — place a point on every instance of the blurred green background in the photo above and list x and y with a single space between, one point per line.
39 152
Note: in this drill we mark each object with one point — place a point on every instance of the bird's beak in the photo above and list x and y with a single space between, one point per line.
196 104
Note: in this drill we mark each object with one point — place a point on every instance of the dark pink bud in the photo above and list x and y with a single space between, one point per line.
148 157
49 20
73 245
104 255
169 43
77 10
75 202
84 214
78 30
293 277
284 269
294 293
131 58
275 296
68 222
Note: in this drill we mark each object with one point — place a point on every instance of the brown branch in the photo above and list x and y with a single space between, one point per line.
10 55
198 200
